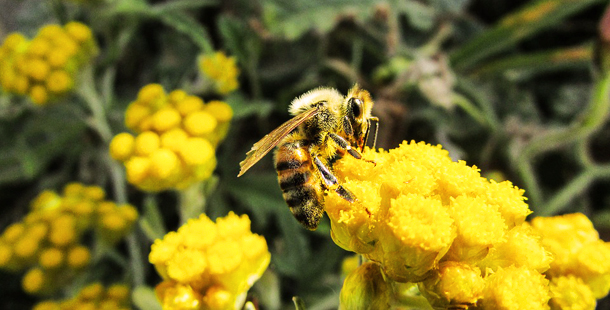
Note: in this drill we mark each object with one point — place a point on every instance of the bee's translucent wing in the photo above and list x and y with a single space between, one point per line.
271 140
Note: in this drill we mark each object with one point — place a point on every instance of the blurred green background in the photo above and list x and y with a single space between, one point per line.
517 88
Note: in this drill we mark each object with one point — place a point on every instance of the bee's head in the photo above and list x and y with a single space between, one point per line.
357 108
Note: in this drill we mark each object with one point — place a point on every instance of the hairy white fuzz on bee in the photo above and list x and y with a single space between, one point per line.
314 96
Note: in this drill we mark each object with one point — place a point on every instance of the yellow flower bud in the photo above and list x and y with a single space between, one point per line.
38 69
164 163
199 123
151 95
47 305
13 232
39 94
135 114
365 288
57 59
188 105
196 151
176 96
137 169
166 119
217 298
78 257
39 47
146 143
175 296
516 288
479 226
59 82
51 258
78 31
91 292
118 292
570 292
174 139
219 110
453 285
121 146
35 281
21 85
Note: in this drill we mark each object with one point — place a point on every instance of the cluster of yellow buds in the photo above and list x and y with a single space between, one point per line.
462 238
176 141
580 272
207 265
45 67
92 297
46 242
221 71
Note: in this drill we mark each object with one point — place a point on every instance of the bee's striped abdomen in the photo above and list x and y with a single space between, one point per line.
300 184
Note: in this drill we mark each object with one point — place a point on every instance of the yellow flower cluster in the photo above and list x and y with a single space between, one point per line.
221 70
46 242
580 272
93 297
207 265
428 220
45 67
176 141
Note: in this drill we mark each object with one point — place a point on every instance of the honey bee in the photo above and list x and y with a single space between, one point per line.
326 126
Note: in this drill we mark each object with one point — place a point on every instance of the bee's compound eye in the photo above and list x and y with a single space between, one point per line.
356 106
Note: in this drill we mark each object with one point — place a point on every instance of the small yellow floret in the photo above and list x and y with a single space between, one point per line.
121 146
39 95
47 305
51 258
78 257
196 151
38 69
188 105
136 114
91 292
13 232
118 292
34 281
80 32
173 139
516 288
570 292
453 284
220 110
146 143
165 119
59 81
217 298
199 123
151 95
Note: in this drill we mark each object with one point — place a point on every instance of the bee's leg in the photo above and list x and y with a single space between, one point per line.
330 181
346 147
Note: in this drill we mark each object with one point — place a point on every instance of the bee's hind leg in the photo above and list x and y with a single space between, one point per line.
330 181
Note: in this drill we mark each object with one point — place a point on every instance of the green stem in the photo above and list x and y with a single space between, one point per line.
576 187
91 97
471 109
191 202
184 5
486 107
137 267
588 124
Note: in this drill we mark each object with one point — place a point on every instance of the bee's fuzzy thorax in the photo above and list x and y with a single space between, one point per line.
305 101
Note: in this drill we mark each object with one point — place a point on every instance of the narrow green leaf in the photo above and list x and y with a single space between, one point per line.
145 299
299 304
177 5
533 18
526 65
151 220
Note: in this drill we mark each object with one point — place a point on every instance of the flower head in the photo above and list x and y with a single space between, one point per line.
48 241
221 70
45 67
176 138
207 265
